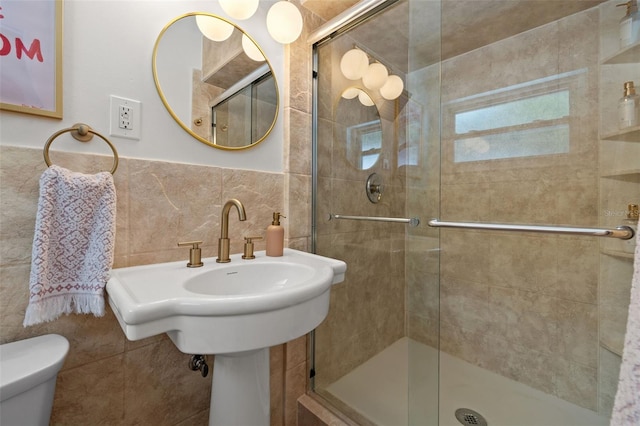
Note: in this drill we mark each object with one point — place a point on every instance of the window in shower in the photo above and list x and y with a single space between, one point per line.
525 120
365 139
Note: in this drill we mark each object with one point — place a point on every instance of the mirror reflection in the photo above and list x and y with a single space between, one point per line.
359 128
215 81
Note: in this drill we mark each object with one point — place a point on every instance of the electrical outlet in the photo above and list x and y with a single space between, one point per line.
125 118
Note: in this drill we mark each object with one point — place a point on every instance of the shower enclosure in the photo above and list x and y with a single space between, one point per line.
508 116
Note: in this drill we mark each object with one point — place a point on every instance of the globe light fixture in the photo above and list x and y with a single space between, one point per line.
392 88
284 22
213 28
375 76
239 9
354 64
251 49
351 93
364 98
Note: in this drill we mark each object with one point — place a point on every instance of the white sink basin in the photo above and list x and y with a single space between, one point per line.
267 279
225 308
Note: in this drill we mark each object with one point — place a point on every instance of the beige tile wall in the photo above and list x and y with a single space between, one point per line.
367 309
525 306
174 198
107 379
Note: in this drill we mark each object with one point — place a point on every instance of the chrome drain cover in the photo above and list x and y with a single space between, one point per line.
468 417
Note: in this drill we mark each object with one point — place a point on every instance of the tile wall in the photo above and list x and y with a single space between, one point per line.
105 375
367 309
159 204
525 306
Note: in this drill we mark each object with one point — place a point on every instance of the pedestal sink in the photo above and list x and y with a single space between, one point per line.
234 311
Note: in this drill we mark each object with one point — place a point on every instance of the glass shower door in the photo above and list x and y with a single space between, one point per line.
376 356
518 129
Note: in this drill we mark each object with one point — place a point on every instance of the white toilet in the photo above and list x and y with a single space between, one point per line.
28 372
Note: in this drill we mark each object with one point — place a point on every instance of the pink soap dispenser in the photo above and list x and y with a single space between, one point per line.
275 236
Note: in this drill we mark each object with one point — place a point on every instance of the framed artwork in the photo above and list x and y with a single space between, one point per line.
31 57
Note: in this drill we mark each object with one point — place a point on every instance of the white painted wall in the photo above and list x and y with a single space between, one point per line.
108 46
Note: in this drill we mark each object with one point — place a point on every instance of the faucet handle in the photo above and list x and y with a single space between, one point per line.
248 247
195 253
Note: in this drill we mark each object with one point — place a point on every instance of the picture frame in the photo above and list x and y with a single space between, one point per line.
31 57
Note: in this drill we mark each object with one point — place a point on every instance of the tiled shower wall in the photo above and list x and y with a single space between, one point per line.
107 379
525 305
367 309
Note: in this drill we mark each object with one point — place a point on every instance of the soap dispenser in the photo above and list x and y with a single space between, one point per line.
275 236
629 24
628 107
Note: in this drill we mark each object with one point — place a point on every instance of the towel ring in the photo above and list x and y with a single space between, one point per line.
83 133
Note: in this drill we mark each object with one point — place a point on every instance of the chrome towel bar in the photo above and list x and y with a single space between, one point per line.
413 221
621 232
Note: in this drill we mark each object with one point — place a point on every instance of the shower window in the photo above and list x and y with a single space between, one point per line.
525 120
366 140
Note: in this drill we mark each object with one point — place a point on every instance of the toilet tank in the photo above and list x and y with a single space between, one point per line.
28 372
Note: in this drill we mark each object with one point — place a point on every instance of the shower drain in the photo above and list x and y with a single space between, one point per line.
469 417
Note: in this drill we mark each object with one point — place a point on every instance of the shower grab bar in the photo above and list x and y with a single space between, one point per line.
621 232
413 221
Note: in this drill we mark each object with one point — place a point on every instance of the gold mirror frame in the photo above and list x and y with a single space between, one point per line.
173 113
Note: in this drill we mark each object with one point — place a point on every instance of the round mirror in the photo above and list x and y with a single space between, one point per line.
359 128
215 81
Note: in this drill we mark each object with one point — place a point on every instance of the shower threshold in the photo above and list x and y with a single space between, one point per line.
383 391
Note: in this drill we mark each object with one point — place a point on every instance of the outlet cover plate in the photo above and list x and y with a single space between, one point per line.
134 109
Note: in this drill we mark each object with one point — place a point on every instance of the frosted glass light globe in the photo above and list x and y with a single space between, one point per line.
364 99
392 88
239 9
351 93
354 64
213 28
375 76
284 22
251 49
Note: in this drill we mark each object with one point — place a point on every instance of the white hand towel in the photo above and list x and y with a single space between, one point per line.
73 244
626 408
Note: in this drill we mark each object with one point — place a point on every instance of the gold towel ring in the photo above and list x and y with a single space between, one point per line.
83 133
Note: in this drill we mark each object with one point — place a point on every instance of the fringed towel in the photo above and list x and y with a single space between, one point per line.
626 408
73 244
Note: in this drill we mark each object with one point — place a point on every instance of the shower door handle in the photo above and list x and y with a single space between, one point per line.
412 221
621 232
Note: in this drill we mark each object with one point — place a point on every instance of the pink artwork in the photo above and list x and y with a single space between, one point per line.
31 56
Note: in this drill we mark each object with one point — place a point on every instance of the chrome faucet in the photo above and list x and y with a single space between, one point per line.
223 241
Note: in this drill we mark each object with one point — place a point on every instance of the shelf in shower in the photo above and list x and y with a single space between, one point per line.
628 55
631 134
621 173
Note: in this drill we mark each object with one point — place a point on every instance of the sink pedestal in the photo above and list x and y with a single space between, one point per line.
234 311
240 391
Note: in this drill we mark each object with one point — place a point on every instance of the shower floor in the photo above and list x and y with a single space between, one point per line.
382 391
